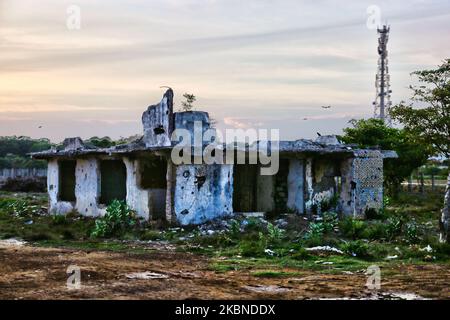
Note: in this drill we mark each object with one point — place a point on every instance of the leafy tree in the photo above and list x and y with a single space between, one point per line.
374 133
431 120
188 104
105 142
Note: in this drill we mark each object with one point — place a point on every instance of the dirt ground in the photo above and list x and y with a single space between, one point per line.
28 272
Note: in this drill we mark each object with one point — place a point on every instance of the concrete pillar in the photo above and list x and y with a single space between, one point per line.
265 193
87 187
309 189
296 186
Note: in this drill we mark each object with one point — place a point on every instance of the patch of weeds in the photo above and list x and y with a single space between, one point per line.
252 248
300 254
393 227
274 274
118 219
412 232
330 221
234 229
274 234
59 219
151 235
352 228
315 231
373 214
356 248
374 231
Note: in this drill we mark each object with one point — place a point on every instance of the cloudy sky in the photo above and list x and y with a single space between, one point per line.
252 63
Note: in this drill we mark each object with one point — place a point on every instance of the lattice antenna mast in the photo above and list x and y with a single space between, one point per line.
382 101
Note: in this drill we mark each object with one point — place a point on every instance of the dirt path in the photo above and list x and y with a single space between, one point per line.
40 273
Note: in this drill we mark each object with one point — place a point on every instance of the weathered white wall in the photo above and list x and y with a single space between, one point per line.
87 187
55 206
196 202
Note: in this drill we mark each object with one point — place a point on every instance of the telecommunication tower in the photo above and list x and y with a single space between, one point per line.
382 101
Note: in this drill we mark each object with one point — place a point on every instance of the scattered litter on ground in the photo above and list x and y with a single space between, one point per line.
325 248
265 289
392 257
12 242
146 275
427 249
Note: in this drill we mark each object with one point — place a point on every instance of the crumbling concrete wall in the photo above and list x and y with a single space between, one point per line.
137 199
202 193
56 206
362 183
158 122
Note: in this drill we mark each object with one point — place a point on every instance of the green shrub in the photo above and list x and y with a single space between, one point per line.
412 232
252 249
330 221
20 208
235 229
393 227
356 248
59 219
375 231
300 254
352 228
315 231
118 219
274 234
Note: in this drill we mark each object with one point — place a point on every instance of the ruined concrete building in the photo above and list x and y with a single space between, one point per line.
312 176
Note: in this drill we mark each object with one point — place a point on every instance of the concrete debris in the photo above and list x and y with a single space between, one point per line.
13 242
265 289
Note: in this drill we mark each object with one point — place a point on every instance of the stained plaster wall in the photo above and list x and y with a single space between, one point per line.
202 192
157 121
320 182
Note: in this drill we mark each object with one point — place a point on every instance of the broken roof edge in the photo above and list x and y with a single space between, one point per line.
304 146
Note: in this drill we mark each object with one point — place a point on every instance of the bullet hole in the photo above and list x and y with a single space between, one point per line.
199 181
353 184
186 174
159 130
184 212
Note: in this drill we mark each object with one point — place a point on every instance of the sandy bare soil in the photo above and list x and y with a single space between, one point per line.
28 272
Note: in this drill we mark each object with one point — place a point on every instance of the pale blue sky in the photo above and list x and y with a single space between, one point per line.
251 63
